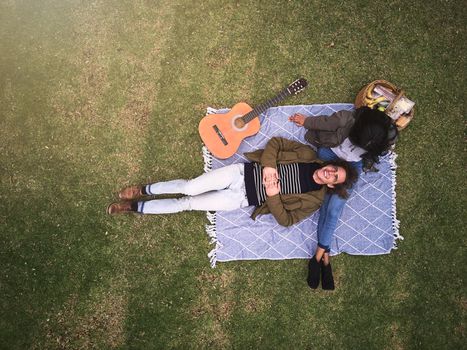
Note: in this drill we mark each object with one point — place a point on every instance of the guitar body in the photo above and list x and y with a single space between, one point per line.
223 133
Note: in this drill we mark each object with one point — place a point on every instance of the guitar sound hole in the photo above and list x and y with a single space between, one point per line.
239 123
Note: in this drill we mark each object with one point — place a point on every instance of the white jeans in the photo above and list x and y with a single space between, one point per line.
220 189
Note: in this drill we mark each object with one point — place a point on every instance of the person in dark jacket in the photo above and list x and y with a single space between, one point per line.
285 179
357 137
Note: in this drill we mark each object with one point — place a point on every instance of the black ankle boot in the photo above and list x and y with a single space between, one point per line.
327 280
314 270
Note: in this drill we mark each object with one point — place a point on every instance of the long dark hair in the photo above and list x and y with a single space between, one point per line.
373 131
351 176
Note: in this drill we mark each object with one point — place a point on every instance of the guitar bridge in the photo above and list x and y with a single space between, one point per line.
219 133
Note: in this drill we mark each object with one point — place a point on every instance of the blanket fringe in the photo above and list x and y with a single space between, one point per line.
212 233
207 157
211 110
395 222
211 216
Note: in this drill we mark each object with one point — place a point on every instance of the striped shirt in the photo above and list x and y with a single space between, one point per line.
293 178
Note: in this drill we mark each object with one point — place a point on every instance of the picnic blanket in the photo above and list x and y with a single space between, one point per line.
368 225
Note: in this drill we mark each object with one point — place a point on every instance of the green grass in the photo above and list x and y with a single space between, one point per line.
98 95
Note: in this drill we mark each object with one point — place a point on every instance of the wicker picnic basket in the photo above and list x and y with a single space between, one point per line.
404 119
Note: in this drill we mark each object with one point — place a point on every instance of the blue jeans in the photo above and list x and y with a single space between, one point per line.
332 206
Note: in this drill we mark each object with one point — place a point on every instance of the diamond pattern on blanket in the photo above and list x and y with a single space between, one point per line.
368 225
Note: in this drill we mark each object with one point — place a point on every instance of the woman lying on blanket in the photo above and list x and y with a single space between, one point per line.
285 179
358 137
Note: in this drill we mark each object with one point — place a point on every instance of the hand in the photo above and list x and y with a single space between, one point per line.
273 189
270 175
298 119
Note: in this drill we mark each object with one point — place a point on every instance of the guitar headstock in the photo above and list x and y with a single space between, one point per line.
297 86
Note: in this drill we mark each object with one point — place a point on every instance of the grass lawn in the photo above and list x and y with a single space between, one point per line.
96 95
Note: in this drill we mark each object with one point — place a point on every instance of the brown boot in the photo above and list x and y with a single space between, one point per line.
119 208
130 193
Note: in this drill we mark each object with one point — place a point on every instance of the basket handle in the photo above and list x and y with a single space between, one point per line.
397 98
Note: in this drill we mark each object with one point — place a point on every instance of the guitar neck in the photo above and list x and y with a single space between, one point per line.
268 104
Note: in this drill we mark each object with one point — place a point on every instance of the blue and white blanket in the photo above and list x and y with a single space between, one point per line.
368 225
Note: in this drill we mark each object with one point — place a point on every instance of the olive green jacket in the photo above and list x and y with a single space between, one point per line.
329 131
287 209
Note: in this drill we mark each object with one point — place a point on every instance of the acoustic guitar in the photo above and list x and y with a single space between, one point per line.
223 133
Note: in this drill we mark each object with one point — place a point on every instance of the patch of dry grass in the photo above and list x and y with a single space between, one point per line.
213 308
90 101
396 341
96 322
